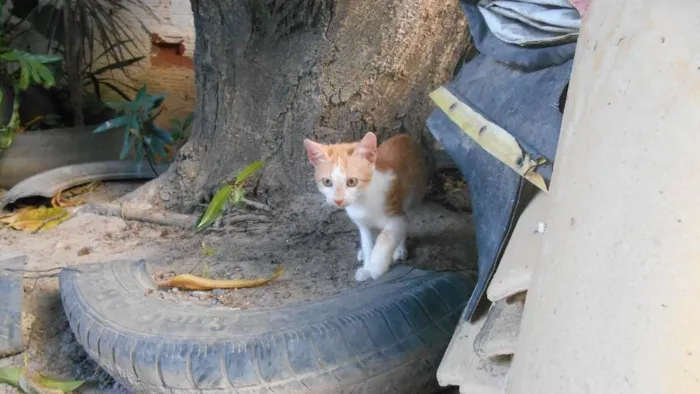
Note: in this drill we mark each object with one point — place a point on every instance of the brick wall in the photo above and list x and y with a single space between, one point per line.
168 46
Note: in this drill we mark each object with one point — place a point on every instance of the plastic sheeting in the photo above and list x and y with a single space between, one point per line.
531 22
526 105
524 58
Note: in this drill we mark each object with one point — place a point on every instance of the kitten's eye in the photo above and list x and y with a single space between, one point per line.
326 182
352 182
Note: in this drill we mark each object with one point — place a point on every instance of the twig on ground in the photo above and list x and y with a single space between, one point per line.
233 219
141 212
256 205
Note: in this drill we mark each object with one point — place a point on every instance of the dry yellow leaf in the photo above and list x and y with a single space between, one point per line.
192 282
36 219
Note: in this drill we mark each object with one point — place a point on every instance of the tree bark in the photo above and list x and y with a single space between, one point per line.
270 73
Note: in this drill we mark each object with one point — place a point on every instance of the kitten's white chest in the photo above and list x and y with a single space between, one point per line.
370 211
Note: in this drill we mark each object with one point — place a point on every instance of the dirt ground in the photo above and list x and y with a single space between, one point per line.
316 245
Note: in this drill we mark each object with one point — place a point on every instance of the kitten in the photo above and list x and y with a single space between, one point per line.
375 186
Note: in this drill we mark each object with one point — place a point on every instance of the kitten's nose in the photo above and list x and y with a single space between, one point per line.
338 202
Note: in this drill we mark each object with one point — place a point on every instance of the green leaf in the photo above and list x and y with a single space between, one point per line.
113 124
237 196
139 152
249 170
35 77
188 122
163 135
215 207
176 123
127 144
134 125
24 76
63 385
155 102
10 375
118 65
46 76
45 59
115 89
159 147
140 96
95 86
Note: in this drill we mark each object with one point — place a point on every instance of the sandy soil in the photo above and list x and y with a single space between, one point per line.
315 244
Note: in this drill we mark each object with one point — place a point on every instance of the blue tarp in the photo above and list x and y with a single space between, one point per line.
519 90
525 58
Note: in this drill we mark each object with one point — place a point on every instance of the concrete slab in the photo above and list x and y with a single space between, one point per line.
460 353
522 252
499 335
486 376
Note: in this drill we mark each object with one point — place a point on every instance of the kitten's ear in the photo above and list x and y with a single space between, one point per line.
367 147
315 152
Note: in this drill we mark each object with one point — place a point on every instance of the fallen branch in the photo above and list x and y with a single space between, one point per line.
141 212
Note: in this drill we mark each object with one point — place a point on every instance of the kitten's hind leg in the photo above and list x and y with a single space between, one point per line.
382 254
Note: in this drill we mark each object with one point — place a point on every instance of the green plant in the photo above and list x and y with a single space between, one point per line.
96 78
25 69
137 117
180 130
231 194
92 36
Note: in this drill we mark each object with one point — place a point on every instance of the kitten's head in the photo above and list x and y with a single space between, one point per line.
343 171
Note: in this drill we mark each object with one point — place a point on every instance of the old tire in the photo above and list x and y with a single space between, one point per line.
12 296
383 337
37 151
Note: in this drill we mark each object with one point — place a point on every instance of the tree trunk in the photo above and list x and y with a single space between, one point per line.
270 73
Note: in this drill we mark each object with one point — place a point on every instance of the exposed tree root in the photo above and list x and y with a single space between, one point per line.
256 205
150 214
141 212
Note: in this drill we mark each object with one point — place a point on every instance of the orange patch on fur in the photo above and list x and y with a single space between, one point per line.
403 156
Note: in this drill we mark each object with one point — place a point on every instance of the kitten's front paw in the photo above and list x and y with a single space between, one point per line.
400 254
360 255
362 274
376 272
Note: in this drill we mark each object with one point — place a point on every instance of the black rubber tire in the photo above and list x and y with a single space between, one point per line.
48 183
387 336
37 151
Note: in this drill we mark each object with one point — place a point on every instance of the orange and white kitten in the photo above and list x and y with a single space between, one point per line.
375 186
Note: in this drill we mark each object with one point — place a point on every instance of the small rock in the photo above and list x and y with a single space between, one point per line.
175 290
218 292
83 251
213 301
